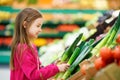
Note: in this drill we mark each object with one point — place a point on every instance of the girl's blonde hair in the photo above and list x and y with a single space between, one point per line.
20 36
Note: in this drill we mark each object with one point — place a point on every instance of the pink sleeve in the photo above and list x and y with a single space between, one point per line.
49 71
31 70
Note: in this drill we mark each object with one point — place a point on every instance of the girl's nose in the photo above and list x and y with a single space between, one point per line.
40 30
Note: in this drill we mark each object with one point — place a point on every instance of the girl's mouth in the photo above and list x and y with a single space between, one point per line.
37 33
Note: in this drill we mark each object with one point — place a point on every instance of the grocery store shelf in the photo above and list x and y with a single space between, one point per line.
4 22
53 24
65 11
53 35
6 33
9 33
4 56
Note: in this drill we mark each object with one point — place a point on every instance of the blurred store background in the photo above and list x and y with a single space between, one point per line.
63 20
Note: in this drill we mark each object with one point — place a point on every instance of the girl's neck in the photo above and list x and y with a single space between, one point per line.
31 42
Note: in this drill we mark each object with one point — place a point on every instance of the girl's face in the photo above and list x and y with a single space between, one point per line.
35 28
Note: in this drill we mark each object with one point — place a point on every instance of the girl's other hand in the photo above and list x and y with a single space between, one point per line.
63 67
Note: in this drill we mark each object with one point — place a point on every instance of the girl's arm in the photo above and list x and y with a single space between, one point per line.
32 71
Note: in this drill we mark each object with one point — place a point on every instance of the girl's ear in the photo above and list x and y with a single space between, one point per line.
24 24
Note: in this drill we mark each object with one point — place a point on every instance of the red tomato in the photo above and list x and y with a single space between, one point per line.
106 54
116 52
83 69
99 63
118 38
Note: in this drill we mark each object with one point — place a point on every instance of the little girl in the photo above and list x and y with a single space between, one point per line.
24 63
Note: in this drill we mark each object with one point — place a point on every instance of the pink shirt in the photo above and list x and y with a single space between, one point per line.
28 67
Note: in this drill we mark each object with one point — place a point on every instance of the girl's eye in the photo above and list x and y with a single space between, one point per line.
38 25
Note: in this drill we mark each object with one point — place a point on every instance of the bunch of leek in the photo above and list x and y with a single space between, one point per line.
109 38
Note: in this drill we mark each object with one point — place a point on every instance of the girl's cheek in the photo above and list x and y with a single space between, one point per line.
31 32
32 35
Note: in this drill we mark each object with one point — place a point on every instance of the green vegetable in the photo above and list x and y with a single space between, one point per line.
109 38
76 70
69 51
73 56
67 54
75 53
81 56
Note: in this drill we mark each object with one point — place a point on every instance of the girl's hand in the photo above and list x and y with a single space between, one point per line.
57 61
63 67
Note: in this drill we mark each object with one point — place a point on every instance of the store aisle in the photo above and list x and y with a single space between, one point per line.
4 72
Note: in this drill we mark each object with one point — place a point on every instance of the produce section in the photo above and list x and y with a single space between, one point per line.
85 37
90 48
105 66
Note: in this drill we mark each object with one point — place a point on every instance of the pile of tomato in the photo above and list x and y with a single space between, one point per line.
108 55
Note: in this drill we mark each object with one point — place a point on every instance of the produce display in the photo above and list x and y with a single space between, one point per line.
87 49
109 38
57 47
104 65
81 33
